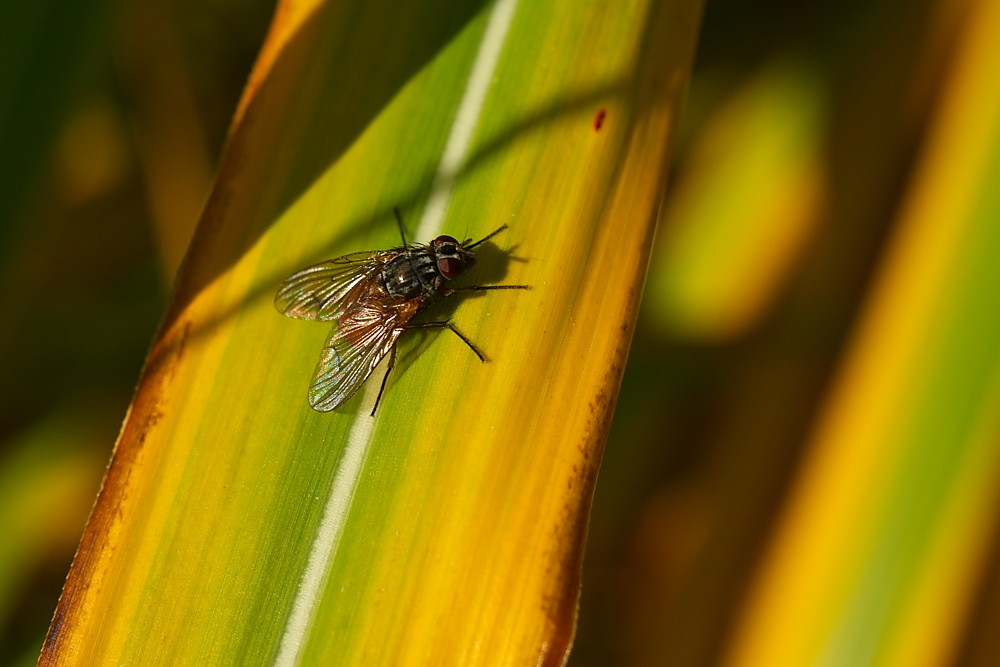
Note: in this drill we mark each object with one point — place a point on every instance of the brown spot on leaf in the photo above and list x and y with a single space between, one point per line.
599 120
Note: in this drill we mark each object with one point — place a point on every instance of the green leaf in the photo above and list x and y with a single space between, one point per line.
236 525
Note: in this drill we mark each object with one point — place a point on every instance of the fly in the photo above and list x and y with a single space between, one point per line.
372 297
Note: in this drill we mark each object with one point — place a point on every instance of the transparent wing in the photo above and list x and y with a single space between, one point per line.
321 291
350 354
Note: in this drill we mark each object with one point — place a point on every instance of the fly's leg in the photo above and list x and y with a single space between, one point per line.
385 378
399 221
480 288
448 325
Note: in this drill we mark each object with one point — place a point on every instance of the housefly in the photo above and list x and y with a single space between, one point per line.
372 298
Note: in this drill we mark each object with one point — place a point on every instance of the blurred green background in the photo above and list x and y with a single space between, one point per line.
797 149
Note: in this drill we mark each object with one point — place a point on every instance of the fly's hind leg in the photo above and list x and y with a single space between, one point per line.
448 325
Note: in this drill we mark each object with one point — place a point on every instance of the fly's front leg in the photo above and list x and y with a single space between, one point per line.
448 325
480 288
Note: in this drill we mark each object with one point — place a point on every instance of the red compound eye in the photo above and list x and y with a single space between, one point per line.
444 239
450 267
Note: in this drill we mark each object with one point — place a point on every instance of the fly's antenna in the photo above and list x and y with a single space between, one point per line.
399 221
488 236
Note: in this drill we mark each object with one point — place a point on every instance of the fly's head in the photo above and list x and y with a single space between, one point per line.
452 257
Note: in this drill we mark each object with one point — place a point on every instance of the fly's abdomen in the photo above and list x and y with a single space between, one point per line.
412 274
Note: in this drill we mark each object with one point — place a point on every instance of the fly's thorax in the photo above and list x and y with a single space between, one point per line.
410 274
422 270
